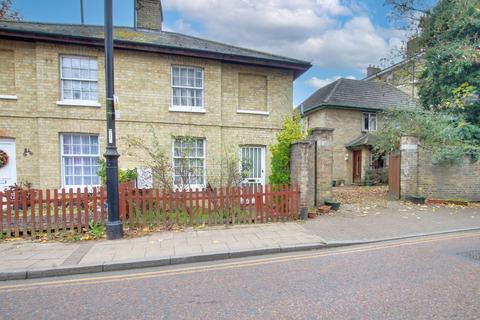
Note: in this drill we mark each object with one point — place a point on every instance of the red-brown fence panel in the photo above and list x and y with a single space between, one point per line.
35 211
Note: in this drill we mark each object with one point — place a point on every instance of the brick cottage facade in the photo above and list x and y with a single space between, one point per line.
353 108
52 109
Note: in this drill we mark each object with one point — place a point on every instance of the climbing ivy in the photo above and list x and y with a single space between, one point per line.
280 164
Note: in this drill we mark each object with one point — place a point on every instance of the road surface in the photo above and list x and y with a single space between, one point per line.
435 277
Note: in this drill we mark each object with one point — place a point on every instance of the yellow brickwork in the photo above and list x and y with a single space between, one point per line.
143 86
7 72
252 92
348 126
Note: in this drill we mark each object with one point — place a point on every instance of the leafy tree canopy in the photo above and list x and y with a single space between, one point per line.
450 35
448 137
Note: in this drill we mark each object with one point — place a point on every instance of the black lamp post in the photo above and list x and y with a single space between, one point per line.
114 225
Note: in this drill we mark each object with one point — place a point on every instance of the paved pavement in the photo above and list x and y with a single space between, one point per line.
22 259
394 219
421 278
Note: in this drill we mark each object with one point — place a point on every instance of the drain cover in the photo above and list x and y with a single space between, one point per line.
472 254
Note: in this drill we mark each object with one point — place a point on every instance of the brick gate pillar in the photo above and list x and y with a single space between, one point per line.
408 166
302 172
323 163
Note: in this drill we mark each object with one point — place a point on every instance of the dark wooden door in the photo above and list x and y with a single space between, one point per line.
394 176
357 166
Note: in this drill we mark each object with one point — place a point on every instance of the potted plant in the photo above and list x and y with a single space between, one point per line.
312 213
323 209
416 199
335 205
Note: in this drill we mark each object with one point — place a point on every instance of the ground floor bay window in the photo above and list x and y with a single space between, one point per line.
80 155
189 163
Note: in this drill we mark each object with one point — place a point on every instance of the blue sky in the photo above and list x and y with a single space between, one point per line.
340 37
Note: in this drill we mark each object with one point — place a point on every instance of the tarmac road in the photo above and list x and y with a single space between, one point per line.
436 277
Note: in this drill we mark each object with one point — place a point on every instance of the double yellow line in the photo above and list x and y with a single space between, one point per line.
233 265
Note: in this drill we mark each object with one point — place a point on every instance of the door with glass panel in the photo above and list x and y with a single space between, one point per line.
253 165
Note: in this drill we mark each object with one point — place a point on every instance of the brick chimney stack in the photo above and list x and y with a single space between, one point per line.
148 15
371 70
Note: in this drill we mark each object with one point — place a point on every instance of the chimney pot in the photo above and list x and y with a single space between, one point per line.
372 69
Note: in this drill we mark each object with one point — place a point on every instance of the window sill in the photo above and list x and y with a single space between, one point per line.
192 187
261 113
82 188
187 109
8 97
79 103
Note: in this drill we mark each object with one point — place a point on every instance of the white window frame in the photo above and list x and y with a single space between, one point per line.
76 102
62 159
263 155
191 186
199 109
369 115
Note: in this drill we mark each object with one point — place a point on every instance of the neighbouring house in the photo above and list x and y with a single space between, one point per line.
353 109
404 74
192 93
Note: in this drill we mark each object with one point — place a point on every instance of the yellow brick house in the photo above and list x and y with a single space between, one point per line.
353 108
52 100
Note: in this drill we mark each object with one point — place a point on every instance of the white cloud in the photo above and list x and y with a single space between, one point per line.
318 83
329 33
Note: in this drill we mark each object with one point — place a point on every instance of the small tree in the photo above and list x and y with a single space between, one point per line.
233 171
448 137
280 164
152 156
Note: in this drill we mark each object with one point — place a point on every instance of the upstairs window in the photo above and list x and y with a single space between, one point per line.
187 89
79 78
369 122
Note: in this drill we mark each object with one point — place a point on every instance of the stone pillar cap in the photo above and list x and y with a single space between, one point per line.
301 142
322 129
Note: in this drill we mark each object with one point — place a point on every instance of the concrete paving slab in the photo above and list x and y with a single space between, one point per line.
24 259
188 249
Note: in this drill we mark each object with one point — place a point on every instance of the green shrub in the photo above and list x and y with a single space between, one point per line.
280 164
97 230
375 177
123 175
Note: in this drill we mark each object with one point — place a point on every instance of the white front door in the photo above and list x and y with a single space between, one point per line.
8 166
253 165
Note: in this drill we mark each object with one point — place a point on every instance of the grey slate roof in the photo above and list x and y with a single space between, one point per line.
357 94
365 139
158 39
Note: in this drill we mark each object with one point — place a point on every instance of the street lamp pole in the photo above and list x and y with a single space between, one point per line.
114 225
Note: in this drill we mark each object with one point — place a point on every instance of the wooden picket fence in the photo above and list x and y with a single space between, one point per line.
27 212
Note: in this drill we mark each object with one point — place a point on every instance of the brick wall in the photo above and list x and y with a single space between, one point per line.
143 85
458 181
311 167
419 176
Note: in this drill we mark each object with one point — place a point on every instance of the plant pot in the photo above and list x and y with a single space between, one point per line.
311 215
445 202
303 213
416 199
334 205
324 209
